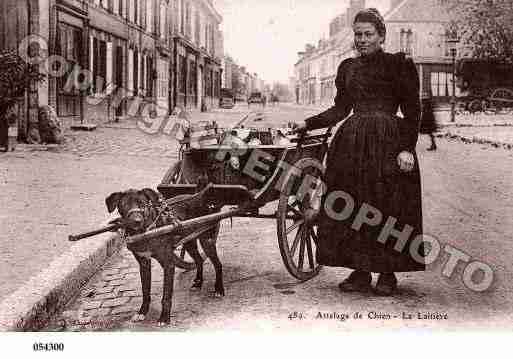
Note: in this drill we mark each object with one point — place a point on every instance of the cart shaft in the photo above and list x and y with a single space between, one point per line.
189 224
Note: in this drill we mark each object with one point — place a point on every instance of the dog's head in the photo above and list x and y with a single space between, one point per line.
136 207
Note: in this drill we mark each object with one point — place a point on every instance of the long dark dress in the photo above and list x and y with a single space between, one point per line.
428 123
362 161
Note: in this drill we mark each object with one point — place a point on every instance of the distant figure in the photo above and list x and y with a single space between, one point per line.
428 123
275 100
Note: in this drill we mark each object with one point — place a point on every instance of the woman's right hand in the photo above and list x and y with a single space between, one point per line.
298 129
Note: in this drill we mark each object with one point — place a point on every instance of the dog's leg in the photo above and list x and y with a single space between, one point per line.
167 296
209 246
145 272
192 248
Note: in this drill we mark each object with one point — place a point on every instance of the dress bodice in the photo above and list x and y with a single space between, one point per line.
379 82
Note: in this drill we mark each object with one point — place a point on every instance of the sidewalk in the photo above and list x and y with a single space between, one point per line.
53 191
480 128
58 190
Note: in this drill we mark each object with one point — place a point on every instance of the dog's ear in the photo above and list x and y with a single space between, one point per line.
152 195
112 201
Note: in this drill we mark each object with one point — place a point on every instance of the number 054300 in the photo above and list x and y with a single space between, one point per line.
48 347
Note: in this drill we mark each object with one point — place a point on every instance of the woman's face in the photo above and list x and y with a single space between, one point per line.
366 38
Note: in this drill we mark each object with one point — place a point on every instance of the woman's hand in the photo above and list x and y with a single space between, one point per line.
298 129
406 161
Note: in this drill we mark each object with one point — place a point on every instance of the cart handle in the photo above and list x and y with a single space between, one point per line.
303 137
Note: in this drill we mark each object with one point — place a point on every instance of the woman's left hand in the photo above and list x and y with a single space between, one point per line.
406 161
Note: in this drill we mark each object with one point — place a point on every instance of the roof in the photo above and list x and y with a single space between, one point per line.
418 11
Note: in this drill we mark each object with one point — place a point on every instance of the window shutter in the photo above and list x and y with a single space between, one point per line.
136 71
103 65
131 70
131 12
91 53
109 64
95 64
143 71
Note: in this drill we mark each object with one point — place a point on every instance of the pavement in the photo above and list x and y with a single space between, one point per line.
467 201
480 128
60 190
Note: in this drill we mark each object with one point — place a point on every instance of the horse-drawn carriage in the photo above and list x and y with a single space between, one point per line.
488 86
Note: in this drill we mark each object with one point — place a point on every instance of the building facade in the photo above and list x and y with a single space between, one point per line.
418 28
316 69
108 58
198 53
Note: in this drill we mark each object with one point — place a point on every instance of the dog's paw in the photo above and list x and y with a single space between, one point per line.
218 293
162 324
138 317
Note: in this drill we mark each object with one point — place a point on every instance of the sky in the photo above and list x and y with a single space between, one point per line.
266 35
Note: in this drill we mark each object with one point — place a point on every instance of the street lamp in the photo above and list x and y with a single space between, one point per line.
452 40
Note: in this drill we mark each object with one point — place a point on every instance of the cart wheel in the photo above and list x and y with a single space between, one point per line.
297 236
476 105
183 260
501 99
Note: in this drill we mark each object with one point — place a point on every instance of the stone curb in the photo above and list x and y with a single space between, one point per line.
33 305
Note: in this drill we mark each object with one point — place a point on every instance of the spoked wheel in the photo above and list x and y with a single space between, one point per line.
297 231
502 99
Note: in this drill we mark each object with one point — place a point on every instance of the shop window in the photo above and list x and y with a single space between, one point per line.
192 78
441 84
182 73
118 67
149 76
216 84
99 66
135 63
69 42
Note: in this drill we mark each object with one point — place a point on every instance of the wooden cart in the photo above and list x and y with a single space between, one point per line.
247 179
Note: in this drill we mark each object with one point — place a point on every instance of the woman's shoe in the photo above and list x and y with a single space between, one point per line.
386 285
358 281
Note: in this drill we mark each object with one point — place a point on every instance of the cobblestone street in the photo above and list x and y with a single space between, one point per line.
57 191
61 190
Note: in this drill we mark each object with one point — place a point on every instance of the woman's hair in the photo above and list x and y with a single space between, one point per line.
373 16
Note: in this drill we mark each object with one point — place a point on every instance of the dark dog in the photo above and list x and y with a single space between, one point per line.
144 210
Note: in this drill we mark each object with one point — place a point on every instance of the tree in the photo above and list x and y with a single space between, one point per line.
15 77
486 28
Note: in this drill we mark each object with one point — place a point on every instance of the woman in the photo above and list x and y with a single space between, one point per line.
372 157
428 122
